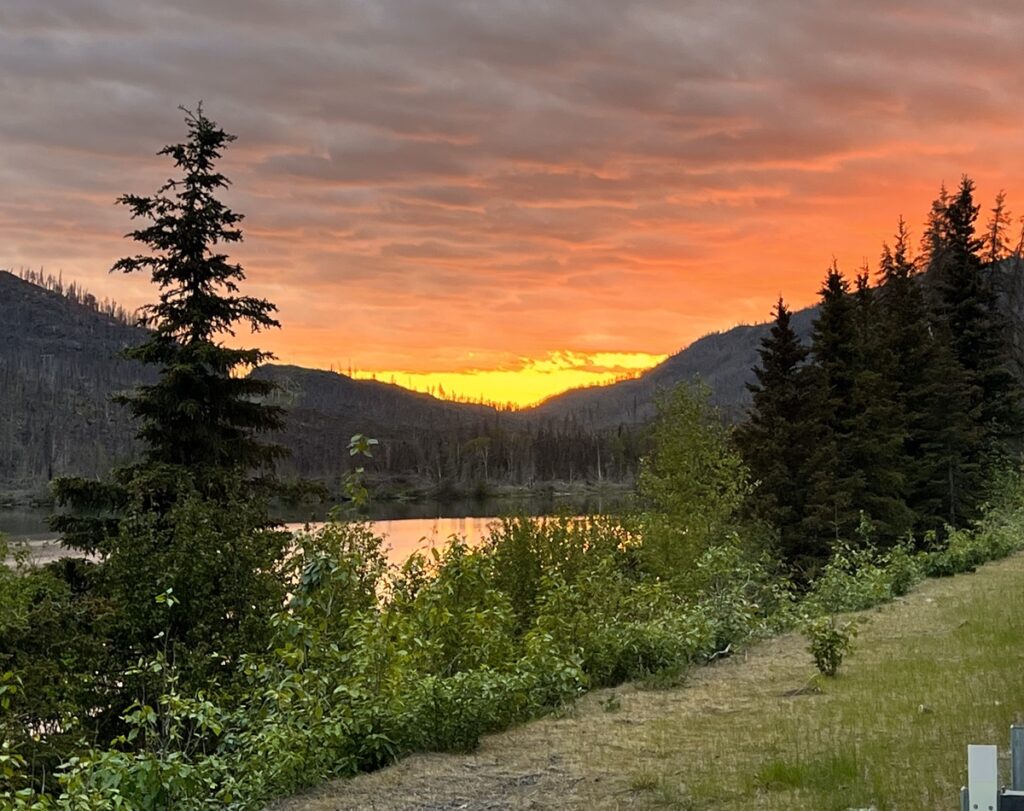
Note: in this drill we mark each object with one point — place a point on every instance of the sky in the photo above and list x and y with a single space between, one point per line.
506 198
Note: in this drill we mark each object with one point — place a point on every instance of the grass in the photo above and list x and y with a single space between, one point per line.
929 674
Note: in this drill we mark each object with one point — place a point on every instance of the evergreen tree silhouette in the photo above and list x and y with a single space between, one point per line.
201 420
930 391
778 439
966 313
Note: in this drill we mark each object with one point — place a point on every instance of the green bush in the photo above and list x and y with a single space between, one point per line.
852 580
52 662
829 642
695 480
1000 532
523 551
904 567
742 596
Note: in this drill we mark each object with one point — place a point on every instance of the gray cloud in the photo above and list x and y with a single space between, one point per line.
510 174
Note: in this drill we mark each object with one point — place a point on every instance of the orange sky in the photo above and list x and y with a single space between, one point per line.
509 198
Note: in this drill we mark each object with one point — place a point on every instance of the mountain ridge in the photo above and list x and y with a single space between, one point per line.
723 361
59 364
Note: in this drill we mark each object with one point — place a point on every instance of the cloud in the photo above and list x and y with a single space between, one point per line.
431 182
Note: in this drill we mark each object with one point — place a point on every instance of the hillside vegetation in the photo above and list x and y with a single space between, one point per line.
932 672
59 366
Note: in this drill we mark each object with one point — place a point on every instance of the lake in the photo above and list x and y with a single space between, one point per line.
403 536
406 527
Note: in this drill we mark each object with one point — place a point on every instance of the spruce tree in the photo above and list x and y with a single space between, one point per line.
875 431
934 238
858 469
997 232
778 439
201 419
966 308
832 514
933 411
190 518
202 414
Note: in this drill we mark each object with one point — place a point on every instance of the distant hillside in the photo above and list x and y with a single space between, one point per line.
722 360
58 368
326 408
60 364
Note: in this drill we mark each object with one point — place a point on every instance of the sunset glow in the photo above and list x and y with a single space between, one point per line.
526 381
508 199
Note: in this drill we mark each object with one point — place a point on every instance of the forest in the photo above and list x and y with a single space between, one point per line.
203 658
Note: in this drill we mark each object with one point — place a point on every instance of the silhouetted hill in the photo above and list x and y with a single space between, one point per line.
384 404
722 360
60 364
58 368
326 408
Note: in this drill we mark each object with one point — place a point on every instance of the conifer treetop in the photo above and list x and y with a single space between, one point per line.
204 412
198 285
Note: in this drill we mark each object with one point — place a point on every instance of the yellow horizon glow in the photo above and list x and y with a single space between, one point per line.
529 382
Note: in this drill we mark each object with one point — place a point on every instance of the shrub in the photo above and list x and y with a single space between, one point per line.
829 642
523 551
852 580
739 593
904 567
694 477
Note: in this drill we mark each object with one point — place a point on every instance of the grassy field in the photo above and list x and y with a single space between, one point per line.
930 673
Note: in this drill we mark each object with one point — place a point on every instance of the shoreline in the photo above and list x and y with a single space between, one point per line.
387 491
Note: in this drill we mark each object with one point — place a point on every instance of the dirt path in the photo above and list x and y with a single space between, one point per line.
595 757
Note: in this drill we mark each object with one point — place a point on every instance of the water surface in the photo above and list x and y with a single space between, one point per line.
406 527
403 536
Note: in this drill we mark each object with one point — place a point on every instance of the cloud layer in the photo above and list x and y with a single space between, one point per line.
443 185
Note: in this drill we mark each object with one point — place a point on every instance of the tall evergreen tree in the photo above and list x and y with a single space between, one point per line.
966 306
190 519
875 432
934 238
932 404
856 467
778 439
831 511
202 417
997 232
202 414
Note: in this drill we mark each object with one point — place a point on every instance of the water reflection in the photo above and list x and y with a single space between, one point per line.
406 527
403 536
25 525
